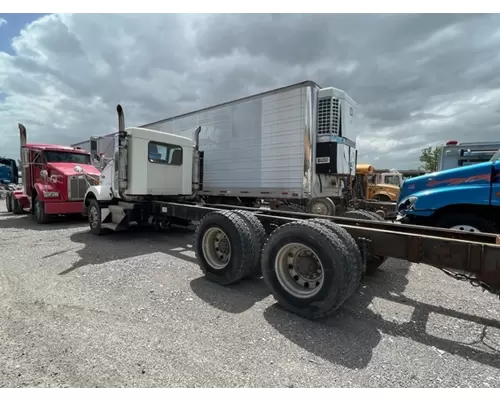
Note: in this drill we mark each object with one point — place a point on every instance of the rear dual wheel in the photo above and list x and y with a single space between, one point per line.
226 247
311 266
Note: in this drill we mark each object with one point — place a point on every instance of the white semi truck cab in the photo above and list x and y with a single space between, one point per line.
147 165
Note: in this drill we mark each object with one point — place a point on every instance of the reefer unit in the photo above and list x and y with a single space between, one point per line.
294 142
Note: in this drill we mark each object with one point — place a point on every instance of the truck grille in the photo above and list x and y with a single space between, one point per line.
77 187
328 116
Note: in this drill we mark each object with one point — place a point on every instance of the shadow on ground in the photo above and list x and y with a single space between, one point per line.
349 336
235 298
134 242
26 222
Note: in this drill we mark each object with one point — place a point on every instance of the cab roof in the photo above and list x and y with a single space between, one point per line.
55 147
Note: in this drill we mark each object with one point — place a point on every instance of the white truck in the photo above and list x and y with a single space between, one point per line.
455 154
311 265
293 148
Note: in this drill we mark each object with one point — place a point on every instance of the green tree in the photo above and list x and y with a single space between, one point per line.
430 158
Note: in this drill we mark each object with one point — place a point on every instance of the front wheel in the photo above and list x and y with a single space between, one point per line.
94 216
467 223
40 216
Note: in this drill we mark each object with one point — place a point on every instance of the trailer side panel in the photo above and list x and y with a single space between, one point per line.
253 147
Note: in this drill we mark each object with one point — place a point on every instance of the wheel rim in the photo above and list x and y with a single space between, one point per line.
216 248
465 228
299 270
93 217
319 208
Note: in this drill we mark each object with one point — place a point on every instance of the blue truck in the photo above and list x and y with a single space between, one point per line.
8 171
464 198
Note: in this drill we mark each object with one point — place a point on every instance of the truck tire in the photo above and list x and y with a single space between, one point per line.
466 223
94 216
373 262
39 211
373 215
258 237
354 263
8 202
303 266
16 206
322 206
224 247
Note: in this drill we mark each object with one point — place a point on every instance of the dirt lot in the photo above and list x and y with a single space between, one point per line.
133 309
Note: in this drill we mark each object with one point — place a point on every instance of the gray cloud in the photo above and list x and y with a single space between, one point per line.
419 80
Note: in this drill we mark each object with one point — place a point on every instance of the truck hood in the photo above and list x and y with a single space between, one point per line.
67 169
386 186
470 174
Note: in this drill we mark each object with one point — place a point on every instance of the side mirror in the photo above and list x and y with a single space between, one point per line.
96 158
78 169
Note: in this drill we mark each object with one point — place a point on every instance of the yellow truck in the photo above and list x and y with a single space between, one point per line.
371 185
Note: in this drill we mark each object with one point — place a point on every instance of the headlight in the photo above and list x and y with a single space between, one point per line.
407 203
50 194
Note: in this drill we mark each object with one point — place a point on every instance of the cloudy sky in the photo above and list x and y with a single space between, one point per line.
418 80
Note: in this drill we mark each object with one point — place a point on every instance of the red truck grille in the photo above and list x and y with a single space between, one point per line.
77 186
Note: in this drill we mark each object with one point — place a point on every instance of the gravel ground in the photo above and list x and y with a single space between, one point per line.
132 309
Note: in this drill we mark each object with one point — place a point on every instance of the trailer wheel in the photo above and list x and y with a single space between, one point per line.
466 223
39 211
303 265
8 202
373 262
354 262
94 216
224 247
258 237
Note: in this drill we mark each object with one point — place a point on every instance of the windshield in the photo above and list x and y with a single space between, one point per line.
65 157
392 180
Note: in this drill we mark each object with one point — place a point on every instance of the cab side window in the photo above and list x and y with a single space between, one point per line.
163 153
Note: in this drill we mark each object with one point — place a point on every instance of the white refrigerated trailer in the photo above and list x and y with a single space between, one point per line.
293 148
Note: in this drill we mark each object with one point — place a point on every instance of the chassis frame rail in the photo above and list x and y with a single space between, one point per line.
473 253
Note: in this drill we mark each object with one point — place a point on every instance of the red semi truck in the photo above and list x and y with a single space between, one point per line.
51 183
